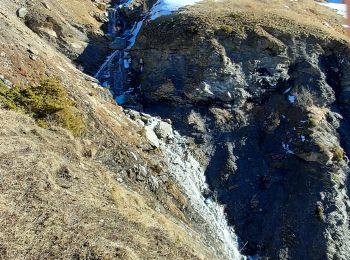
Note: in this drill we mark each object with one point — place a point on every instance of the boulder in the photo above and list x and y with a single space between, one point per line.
163 130
22 12
151 136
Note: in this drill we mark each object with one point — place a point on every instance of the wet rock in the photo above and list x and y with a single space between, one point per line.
118 44
229 94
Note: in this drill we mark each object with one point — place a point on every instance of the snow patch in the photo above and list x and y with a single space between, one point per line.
287 149
291 99
166 7
287 90
340 8
134 32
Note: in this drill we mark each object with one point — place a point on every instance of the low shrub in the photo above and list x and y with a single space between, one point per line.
224 30
47 103
338 154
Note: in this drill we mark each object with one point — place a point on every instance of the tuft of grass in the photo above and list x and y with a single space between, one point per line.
312 122
47 103
224 29
338 154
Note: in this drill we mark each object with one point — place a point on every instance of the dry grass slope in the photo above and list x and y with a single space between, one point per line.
56 203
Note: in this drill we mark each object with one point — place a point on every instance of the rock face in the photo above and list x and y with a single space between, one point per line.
118 44
72 28
267 104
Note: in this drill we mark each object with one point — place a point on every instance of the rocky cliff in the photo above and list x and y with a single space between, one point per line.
233 137
262 90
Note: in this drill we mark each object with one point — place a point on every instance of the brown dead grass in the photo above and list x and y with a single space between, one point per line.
56 203
304 17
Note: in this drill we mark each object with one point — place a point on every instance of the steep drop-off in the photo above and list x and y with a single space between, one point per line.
262 89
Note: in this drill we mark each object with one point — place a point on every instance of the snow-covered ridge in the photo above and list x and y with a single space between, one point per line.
340 8
166 7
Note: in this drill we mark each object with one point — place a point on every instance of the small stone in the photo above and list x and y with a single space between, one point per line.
120 180
134 156
144 119
46 5
153 183
167 120
33 56
8 83
151 136
209 201
134 115
22 12
101 6
33 51
163 130
142 171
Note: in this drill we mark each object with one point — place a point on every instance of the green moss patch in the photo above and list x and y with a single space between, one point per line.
48 103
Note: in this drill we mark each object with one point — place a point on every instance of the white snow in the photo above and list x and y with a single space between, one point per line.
134 32
287 149
105 64
127 63
126 4
287 90
120 99
291 99
302 137
166 7
340 8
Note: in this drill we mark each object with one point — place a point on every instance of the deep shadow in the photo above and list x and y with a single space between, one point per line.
91 59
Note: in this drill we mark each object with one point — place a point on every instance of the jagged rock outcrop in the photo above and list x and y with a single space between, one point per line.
263 92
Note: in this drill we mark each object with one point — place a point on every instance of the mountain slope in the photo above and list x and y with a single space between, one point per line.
96 196
249 96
